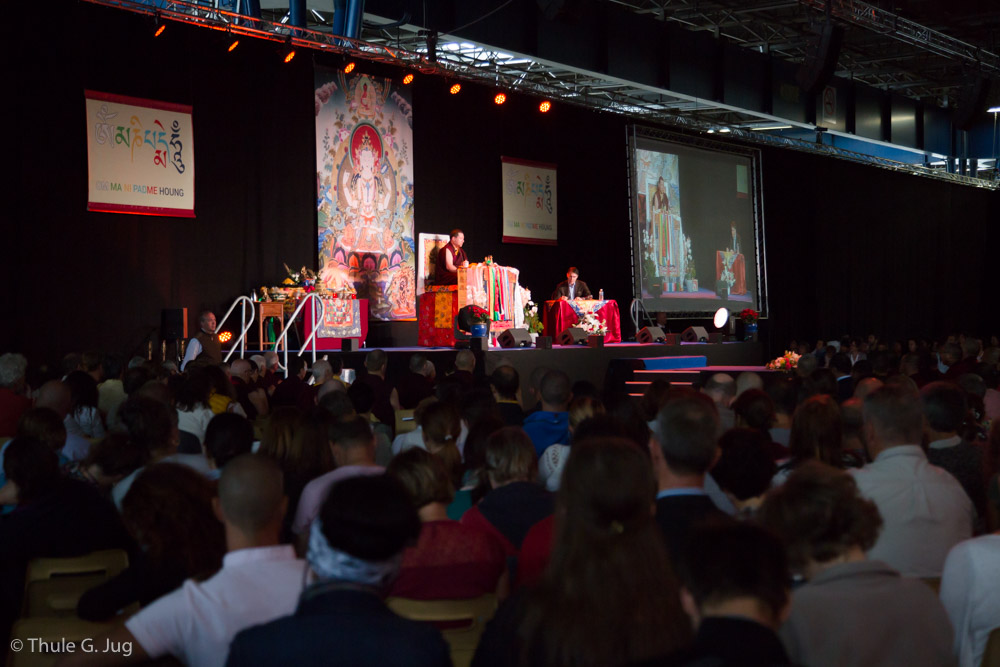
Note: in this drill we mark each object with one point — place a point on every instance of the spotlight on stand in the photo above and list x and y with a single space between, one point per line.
721 318
225 336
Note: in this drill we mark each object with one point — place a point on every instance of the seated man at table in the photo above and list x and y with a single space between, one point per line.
572 287
450 258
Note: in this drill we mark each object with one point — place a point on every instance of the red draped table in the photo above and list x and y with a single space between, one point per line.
739 271
561 315
344 318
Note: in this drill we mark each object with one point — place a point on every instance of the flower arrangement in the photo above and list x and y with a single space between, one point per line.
787 362
531 320
688 259
479 315
749 316
593 325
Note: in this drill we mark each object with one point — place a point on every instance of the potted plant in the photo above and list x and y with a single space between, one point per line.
532 322
480 318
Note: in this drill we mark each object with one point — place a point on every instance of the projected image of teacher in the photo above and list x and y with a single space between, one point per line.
572 287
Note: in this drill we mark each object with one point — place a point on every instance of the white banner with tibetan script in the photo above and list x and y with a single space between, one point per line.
529 201
140 156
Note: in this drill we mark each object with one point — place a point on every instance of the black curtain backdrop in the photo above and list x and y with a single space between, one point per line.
850 249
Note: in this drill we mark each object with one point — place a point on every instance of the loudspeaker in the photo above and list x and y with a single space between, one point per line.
650 335
694 335
514 338
821 58
595 341
543 343
349 344
479 344
715 337
173 323
573 336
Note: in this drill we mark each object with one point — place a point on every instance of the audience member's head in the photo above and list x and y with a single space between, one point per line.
362 528
13 368
241 370
192 390
465 360
818 431
375 362
168 510
510 457
227 436
807 364
441 425
330 386
352 441
45 425
819 382
688 426
609 576
340 404
866 386
745 467
656 394
556 391
32 467
821 517
55 394
151 425
362 397
721 388
892 417
737 569
112 459
748 380
945 408
506 383
840 364
322 371
424 477
278 439
754 409
581 408
252 497
784 393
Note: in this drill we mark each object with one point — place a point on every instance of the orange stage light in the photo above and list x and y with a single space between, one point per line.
160 29
349 68
291 54
455 88
225 336
499 99
408 79
233 46
545 106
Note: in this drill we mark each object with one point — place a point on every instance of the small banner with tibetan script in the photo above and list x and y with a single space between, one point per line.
140 156
529 201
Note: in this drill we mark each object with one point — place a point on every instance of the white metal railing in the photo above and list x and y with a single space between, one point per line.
242 340
312 336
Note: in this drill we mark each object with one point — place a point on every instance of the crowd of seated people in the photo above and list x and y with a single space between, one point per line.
842 513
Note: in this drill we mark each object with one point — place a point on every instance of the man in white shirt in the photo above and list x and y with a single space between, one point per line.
260 580
924 509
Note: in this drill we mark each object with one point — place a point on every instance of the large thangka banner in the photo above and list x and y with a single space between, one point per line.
364 175
140 156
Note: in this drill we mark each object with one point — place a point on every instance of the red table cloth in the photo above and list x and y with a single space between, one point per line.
739 272
560 315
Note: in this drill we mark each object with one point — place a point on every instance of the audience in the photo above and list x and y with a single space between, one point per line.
506 384
260 579
851 610
970 592
687 449
925 511
84 419
14 399
550 424
451 560
355 550
608 596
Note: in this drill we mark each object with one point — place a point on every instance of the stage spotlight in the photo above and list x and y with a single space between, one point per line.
455 88
232 47
499 99
160 27
289 55
545 106
225 336
349 68
721 318
408 79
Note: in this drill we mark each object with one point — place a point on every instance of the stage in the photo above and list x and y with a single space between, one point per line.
610 367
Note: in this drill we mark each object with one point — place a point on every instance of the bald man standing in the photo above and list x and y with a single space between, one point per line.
260 580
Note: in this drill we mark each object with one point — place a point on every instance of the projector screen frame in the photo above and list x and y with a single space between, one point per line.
700 141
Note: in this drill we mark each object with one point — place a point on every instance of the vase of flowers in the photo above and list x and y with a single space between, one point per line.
596 329
480 318
531 320
749 317
787 362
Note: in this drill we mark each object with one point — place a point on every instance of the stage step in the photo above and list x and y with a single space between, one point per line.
674 363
